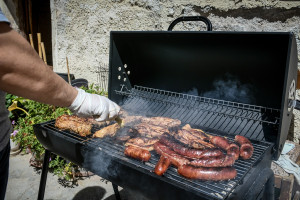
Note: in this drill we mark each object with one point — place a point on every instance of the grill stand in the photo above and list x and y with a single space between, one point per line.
43 180
44 175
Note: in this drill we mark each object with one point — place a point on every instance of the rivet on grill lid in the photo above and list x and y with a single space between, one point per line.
124 79
119 77
128 72
119 68
125 66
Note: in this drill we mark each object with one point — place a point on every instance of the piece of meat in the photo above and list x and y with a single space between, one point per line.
148 148
148 130
189 152
196 132
207 173
187 137
246 148
162 166
165 122
137 153
141 141
231 148
110 130
220 161
174 157
73 123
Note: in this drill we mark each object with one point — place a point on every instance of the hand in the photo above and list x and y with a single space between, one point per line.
86 104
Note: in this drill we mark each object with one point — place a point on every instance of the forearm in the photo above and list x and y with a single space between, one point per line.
23 73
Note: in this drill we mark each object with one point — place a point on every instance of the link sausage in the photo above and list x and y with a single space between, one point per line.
246 149
174 157
137 153
189 152
220 161
231 148
207 173
162 166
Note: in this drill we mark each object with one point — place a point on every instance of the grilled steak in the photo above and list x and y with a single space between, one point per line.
141 141
189 138
161 121
147 130
73 123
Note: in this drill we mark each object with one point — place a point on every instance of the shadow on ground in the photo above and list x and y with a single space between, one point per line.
91 193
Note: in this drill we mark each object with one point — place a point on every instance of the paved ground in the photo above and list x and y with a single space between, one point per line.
24 181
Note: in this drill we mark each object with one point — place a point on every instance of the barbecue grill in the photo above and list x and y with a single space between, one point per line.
225 83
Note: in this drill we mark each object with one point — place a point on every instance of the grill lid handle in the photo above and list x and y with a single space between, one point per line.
191 18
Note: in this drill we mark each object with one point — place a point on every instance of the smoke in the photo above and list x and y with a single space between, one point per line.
99 162
193 91
229 88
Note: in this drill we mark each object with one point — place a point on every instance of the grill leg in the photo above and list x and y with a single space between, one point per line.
44 175
117 194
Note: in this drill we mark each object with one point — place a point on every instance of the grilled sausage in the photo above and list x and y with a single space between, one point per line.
207 173
137 153
189 152
162 166
220 161
246 149
174 157
231 148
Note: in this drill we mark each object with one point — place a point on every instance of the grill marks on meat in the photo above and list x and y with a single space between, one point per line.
142 142
207 173
73 123
148 130
174 157
246 148
137 153
189 138
189 152
162 121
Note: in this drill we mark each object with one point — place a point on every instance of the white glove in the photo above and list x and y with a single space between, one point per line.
86 104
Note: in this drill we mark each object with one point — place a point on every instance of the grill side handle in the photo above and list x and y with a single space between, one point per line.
191 18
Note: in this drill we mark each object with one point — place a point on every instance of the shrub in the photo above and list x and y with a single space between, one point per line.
25 113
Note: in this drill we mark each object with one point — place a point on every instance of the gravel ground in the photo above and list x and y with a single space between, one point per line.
24 182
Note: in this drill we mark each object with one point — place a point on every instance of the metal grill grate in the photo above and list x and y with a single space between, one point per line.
231 117
214 190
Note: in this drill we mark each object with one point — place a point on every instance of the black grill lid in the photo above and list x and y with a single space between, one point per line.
253 68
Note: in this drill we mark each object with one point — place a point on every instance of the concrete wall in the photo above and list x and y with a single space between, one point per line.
81 28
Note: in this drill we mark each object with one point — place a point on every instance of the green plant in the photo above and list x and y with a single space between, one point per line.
26 113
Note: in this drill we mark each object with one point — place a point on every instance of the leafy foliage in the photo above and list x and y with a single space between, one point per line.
38 113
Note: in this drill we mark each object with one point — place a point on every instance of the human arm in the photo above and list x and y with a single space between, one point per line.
23 73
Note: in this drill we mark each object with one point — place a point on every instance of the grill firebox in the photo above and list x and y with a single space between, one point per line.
211 115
